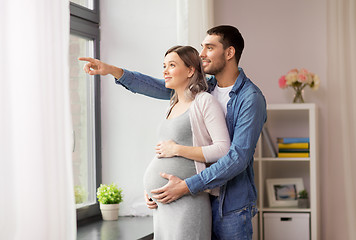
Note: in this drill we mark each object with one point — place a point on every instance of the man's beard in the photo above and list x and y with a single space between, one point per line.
219 66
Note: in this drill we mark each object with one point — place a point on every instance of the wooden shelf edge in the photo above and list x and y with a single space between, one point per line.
291 210
291 106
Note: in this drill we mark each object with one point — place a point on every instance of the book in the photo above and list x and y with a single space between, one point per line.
293 140
301 145
293 155
267 137
295 150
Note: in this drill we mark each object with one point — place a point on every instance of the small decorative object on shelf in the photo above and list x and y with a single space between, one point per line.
283 192
303 199
109 197
298 80
293 147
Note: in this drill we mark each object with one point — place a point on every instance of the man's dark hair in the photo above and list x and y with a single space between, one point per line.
229 36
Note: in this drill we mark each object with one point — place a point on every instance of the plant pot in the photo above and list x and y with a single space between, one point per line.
110 212
303 203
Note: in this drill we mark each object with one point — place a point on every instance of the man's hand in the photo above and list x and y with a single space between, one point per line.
97 67
173 190
149 202
166 149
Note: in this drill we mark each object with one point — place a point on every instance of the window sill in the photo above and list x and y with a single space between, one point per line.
125 228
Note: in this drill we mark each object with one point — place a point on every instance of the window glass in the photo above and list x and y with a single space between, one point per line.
85 3
83 120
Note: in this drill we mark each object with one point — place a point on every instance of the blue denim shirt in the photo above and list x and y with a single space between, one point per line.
246 114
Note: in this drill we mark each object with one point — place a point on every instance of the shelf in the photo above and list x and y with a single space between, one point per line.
303 106
288 120
270 159
285 210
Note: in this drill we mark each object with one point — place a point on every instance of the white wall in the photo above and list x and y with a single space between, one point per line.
279 35
134 35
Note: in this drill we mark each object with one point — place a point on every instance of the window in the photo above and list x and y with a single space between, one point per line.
85 3
85 106
83 121
86 9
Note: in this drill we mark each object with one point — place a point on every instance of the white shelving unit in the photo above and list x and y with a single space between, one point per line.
289 120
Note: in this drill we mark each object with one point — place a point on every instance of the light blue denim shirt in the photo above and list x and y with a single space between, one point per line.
246 114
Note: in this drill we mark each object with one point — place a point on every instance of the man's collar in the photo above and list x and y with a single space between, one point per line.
238 82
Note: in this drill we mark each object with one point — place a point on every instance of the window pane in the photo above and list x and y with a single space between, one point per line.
82 109
85 3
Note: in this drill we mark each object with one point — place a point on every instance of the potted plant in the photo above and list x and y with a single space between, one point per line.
109 197
303 199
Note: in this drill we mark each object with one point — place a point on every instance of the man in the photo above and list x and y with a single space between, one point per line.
245 109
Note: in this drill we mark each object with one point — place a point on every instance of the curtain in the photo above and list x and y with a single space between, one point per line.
194 18
37 200
341 27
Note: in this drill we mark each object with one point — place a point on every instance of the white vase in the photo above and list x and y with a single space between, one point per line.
109 212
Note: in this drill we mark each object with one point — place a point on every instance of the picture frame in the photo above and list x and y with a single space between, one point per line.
283 192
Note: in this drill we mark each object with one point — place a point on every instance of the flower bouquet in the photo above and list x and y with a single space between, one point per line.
298 80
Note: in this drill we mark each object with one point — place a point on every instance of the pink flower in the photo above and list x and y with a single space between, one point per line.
304 71
302 77
294 70
282 82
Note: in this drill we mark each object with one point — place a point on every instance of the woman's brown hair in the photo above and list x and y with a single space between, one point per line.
197 82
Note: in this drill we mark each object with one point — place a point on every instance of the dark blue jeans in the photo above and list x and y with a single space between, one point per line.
234 225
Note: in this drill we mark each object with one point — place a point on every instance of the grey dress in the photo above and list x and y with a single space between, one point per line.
188 218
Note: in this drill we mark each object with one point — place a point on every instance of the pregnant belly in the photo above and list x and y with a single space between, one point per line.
177 166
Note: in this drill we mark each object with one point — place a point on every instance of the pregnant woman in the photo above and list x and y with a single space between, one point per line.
193 134
193 129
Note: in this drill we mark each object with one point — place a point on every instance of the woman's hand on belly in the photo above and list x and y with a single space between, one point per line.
149 202
165 149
